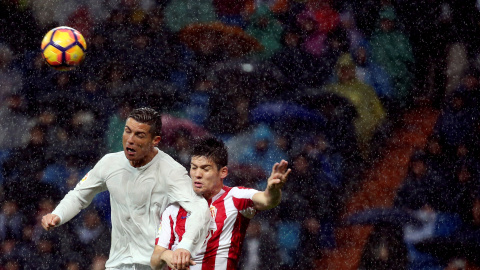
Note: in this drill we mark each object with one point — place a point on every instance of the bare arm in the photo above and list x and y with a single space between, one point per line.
162 256
272 195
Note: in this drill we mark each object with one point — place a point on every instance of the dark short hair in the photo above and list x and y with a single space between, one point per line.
211 148
150 117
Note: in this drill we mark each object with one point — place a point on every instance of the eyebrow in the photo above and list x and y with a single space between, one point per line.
136 132
201 166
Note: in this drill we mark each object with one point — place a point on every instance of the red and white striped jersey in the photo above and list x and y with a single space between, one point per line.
231 210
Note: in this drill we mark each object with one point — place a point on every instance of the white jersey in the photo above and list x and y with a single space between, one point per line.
138 196
231 210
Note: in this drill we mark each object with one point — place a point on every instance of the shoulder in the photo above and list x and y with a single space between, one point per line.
111 162
167 160
240 192
168 164
113 157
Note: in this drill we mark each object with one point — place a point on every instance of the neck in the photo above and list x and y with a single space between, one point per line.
144 161
212 194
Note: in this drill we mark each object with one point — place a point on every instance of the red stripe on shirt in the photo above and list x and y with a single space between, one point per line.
212 245
172 234
238 234
181 221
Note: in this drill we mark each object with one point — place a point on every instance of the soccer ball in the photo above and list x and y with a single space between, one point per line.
63 48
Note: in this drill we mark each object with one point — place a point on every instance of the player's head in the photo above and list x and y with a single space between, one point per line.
208 166
150 117
141 135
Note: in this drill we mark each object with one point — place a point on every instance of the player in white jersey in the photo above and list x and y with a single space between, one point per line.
231 209
142 182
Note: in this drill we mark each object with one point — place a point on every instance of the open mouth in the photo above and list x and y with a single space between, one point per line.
130 151
197 184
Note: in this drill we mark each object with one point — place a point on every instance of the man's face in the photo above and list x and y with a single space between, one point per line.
206 177
138 143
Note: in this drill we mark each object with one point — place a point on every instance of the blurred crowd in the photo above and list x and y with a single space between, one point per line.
319 83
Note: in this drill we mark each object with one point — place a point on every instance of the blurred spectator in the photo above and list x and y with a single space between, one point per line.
374 75
9 252
115 127
180 148
180 13
29 155
300 68
385 249
355 36
262 150
73 261
459 193
266 29
392 50
429 25
438 157
38 82
85 136
259 249
371 114
55 136
11 221
199 100
311 244
231 12
64 174
366 15
81 20
92 236
318 19
90 95
16 123
46 256
230 105
470 87
98 262
26 245
339 131
167 51
11 79
420 185
456 120
434 224
336 45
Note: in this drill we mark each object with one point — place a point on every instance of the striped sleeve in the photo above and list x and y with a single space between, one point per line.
166 234
242 197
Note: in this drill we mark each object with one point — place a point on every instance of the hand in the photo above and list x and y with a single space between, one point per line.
279 175
181 259
49 221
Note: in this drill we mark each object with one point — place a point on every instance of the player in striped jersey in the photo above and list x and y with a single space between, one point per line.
231 209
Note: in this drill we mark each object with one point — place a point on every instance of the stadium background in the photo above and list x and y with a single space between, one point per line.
353 145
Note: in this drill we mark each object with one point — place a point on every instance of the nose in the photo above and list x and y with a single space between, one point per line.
198 174
130 139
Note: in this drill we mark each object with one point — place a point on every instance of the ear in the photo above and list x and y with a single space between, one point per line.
223 172
156 140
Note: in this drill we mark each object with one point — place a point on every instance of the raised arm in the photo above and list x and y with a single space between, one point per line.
272 195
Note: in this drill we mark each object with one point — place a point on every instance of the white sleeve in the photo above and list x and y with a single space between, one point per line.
81 196
164 234
181 191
